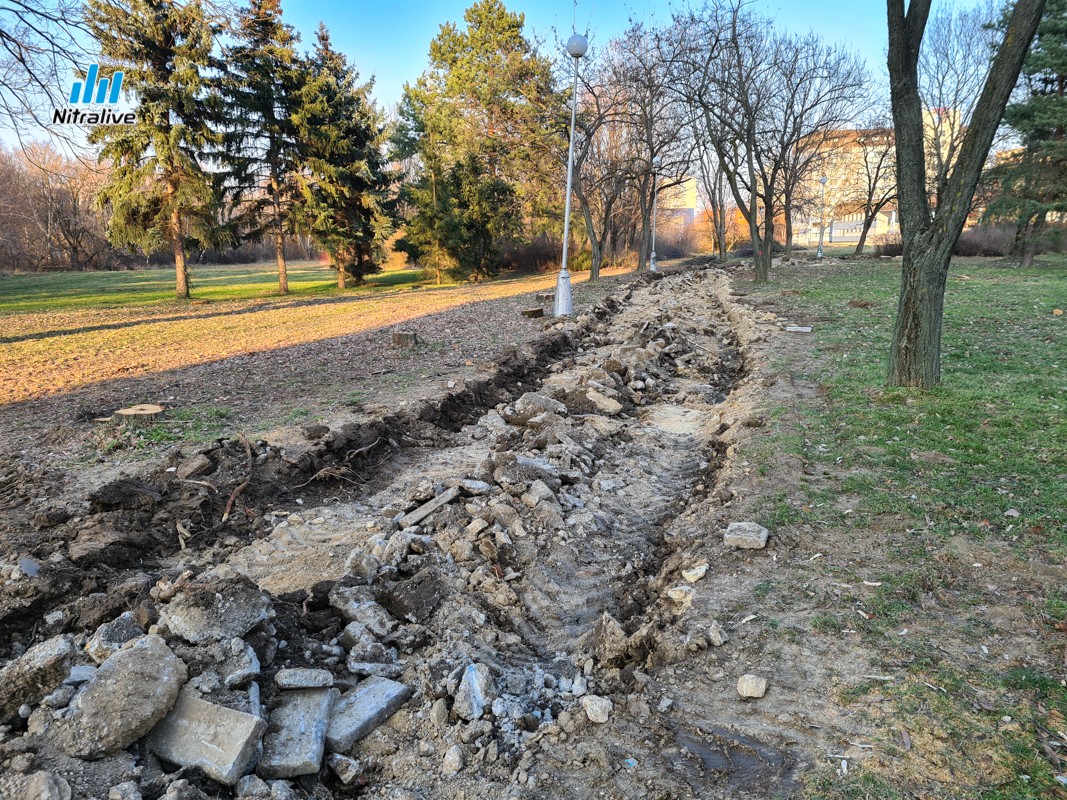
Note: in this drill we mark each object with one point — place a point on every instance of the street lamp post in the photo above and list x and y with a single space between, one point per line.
564 304
655 174
822 215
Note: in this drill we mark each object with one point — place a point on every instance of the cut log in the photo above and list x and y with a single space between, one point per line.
533 313
143 414
405 338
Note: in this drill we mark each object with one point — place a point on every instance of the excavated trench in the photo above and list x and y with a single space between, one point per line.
563 485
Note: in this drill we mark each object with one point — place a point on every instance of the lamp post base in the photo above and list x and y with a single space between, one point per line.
652 267
564 303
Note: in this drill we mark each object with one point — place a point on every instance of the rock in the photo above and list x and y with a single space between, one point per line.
239 664
197 465
125 791
415 599
453 760
252 786
362 565
218 740
423 511
111 636
60 698
357 604
129 694
216 611
746 535
23 762
303 679
381 669
45 786
751 686
604 404
182 789
694 574
282 790
716 635
363 709
597 709
531 404
609 640
344 767
473 488
34 674
314 431
476 691
682 595
296 735
439 713
79 674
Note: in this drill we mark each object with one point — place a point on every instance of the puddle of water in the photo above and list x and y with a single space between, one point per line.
745 765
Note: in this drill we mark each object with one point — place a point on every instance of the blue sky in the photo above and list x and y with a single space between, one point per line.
391 38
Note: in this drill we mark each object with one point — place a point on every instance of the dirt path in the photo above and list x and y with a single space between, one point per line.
569 620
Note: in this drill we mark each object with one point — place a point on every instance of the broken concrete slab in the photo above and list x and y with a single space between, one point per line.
111 636
415 599
363 709
423 511
34 674
746 535
358 604
303 678
296 734
218 740
476 692
216 611
131 692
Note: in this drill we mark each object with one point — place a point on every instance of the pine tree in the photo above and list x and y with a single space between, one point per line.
344 184
262 152
1033 180
158 191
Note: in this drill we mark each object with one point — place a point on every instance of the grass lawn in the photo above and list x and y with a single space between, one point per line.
978 465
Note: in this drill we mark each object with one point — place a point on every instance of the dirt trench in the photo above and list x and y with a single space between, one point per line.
581 481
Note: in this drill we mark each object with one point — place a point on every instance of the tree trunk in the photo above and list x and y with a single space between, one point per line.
788 224
1032 239
596 254
868 221
181 272
342 276
915 357
279 238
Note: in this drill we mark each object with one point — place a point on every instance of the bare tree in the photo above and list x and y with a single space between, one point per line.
929 238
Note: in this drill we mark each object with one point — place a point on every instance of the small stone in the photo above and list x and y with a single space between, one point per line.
344 767
241 664
79 674
473 488
363 709
580 686
439 713
746 535
25 710
682 595
222 742
34 674
23 762
751 686
303 679
716 635
453 760
476 691
125 791
45 786
296 737
694 574
282 790
252 786
362 565
111 636
597 709
665 705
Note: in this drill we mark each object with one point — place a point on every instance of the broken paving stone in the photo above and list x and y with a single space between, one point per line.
240 664
34 674
216 611
131 692
423 511
694 574
296 735
604 404
597 709
746 535
453 760
751 686
111 636
381 669
303 678
344 767
716 635
218 740
363 709
357 604
476 691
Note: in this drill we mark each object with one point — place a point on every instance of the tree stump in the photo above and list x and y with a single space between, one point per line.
405 338
136 416
533 313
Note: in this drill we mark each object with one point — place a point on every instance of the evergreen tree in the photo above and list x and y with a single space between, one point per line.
158 190
344 185
1033 180
262 153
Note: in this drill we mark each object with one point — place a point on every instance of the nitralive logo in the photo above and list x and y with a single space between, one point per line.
99 96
